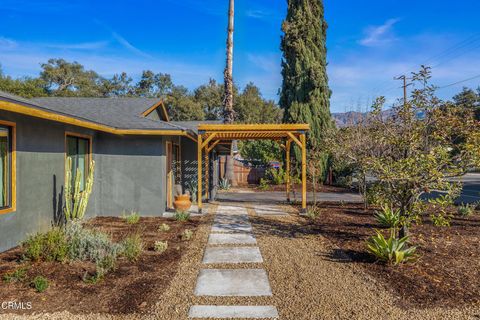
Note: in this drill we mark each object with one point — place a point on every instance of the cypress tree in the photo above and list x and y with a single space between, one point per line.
305 95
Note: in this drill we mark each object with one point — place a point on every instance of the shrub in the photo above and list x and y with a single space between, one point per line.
164 227
313 212
40 284
466 210
18 275
440 220
391 250
182 216
160 246
192 187
276 176
224 184
132 218
187 235
49 246
263 185
91 245
132 247
388 217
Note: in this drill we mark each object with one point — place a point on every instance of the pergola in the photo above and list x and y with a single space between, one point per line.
210 135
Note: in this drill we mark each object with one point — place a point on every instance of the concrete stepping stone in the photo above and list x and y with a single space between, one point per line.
233 282
230 219
231 227
246 312
232 210
231 238
232 255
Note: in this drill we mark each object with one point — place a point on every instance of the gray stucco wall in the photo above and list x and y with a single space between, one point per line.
130 175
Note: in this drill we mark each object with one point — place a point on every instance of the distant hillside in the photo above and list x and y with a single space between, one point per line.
345 119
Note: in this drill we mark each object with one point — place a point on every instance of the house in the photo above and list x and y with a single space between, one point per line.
139 154
141 157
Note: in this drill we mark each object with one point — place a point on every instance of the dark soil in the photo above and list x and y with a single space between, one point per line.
446 273
132 287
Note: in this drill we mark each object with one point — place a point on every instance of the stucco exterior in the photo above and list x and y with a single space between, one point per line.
130 175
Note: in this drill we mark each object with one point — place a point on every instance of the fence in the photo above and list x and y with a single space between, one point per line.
244 174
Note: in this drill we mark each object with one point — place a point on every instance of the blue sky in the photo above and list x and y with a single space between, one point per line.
369 42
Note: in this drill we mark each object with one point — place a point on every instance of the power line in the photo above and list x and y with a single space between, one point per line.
458 82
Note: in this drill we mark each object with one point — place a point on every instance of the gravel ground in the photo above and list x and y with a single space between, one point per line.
305 284
308 285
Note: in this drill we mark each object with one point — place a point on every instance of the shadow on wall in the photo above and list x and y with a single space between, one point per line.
57 204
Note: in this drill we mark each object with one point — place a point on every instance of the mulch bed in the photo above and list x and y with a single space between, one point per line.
446 273
134 287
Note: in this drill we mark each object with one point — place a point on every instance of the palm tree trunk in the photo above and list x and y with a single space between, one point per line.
229 114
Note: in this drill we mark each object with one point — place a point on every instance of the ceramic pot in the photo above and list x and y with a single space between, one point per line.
182 202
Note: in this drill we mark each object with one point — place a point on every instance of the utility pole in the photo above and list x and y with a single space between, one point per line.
405 85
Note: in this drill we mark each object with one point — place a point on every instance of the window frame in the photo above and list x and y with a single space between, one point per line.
89 156
13 167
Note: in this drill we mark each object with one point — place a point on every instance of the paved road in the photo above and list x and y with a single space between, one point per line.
471 188
279 196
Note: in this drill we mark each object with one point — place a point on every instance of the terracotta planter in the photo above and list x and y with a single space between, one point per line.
182 202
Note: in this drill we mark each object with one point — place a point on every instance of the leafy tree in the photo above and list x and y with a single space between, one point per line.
119 86
469 99
64 78
181 106
24 87
305 93
210 96
260 151
250 107
419 148
153 85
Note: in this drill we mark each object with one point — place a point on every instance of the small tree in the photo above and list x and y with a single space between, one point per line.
418 148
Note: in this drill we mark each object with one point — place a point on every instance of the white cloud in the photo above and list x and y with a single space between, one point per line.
78 46
266 62
7 44
379 35
127 45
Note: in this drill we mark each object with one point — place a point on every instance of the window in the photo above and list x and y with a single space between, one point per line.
78 151
7 167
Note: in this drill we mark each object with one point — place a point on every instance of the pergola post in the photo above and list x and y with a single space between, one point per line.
287 156
199 172
207 173
303 140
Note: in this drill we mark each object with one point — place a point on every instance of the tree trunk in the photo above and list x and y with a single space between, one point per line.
229 115
228 112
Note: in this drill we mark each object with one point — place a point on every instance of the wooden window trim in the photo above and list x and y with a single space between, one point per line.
13 166
90 149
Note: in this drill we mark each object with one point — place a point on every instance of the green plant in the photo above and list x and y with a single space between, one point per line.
313 212
466 210
40 284
182 216
91 245
276 176
441 205
164 227
132 247
388 217
132 218
187 235
49 246
17 275
76 200
263 185
160 246
391 250
192 187
224 184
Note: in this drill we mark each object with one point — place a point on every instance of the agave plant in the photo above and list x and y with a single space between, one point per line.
388 217
390 250
224 184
